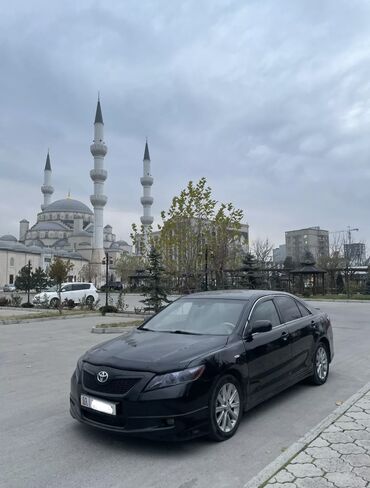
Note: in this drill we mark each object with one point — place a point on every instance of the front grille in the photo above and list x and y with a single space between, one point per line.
114 386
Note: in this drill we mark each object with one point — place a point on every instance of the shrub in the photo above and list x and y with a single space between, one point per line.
16 300
69 304
4 302
27 305
108 309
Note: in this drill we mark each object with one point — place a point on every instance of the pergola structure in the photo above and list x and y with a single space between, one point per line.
309 278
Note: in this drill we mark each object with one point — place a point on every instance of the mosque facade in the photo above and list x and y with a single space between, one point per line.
67 228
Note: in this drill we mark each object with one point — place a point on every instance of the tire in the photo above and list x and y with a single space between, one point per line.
89 300
54 302
320 364
225 408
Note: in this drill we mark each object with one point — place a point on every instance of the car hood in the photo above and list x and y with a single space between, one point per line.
157 352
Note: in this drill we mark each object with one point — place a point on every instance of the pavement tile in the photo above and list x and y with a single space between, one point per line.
319 442
357 459
349 425
284 476
359 434
321 452
358 415
364 443
346 480
304 470
337 437
332 428
302 457
363 472
333 465
314 483
280 485
348 448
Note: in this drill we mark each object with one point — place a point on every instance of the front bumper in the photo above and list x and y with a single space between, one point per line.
174 413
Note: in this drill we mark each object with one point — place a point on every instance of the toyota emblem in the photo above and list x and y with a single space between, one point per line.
102 376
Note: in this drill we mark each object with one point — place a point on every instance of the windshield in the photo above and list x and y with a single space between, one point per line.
52 288
213 316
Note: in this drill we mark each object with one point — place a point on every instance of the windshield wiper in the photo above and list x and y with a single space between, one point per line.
182 332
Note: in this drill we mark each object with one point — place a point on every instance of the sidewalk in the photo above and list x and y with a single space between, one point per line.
335 454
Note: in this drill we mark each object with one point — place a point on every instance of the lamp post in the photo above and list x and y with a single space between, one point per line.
106 261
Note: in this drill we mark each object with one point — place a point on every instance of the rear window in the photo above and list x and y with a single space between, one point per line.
304 311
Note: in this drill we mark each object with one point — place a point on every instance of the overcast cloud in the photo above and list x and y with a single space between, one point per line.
269 100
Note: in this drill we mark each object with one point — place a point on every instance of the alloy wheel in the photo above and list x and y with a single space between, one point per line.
227 407
322 363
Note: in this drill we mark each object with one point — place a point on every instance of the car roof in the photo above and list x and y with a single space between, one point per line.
237 294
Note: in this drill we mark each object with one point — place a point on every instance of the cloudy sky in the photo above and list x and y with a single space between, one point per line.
270 101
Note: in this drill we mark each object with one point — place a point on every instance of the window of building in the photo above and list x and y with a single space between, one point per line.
11 262
11 279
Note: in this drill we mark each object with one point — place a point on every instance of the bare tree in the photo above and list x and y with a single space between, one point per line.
262 249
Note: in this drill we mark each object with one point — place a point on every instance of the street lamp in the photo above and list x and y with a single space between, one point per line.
107 261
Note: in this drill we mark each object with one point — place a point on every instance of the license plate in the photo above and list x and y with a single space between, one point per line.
98 405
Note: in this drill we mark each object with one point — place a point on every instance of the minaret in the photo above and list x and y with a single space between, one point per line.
146 199
46 188
98 175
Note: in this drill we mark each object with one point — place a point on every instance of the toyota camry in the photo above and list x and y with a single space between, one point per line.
195 367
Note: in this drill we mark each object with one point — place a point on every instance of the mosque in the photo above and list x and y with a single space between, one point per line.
69 228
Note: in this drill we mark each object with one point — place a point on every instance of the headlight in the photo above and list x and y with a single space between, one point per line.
175 378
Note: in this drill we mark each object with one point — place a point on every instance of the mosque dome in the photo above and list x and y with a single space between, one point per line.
68 205
8 237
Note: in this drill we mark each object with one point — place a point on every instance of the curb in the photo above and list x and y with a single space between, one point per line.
271 469
44 319
110 330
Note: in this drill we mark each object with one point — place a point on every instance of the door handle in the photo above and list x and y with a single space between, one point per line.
285 336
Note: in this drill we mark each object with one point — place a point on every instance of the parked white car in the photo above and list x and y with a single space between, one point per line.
8 288
69 291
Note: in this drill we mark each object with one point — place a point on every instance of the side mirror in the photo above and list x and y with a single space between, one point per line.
261 326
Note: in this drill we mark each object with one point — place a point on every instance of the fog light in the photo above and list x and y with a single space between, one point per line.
170 421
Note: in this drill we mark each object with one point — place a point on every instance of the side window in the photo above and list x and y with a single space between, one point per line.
288 309
67 288
85 287
265 311
303 309
76 287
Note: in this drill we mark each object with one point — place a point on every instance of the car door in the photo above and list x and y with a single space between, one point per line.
268 354
66 293
300 328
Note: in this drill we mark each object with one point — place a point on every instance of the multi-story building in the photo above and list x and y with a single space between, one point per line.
355 253
312 239
279 254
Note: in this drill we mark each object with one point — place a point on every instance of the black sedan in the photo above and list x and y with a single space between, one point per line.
197 365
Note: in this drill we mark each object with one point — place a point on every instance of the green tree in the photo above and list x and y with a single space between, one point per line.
250 270
24 280
154 289
197 228
58 273
127 265
40 279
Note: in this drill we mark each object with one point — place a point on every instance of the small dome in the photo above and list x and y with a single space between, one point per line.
68 205
118 244
49 226
8 237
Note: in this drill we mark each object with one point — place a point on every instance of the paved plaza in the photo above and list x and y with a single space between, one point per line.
338 456
43 447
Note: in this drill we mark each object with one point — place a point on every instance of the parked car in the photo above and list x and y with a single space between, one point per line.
112 285
196 366
69 291
9 288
